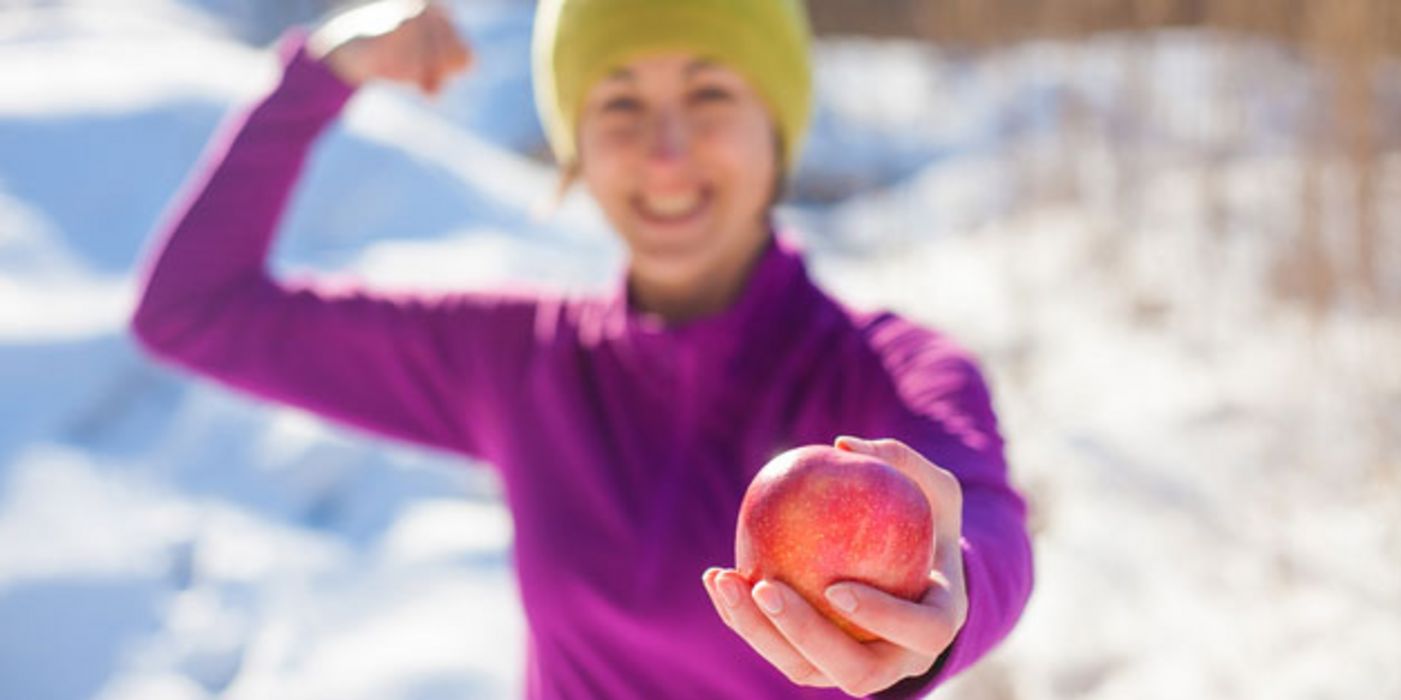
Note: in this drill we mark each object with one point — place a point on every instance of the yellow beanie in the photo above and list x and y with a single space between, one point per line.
578 42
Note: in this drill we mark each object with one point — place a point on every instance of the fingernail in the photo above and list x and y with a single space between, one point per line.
849 441
842 598
768 598
728 590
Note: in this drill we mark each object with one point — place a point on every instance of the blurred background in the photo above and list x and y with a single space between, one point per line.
1171 230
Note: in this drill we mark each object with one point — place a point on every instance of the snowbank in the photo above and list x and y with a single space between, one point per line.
1213 474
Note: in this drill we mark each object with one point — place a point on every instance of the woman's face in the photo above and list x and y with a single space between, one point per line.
680 154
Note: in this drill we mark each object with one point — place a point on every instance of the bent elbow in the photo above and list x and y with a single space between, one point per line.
147 327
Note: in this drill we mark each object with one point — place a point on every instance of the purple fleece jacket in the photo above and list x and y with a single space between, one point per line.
624 445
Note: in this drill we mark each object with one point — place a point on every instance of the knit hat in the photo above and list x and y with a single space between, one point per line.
578 42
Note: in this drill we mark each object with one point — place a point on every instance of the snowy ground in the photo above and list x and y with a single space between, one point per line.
1215 475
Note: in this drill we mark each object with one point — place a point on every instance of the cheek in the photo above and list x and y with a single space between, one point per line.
744 153
605 170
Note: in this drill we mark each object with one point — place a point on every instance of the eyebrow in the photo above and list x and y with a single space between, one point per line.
697 66
619 74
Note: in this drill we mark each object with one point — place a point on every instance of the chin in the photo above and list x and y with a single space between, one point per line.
684 256
671 243
673 262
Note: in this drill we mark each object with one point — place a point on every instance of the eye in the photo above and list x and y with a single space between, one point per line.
621 104
710 95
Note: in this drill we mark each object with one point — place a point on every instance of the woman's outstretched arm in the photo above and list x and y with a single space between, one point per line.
934 413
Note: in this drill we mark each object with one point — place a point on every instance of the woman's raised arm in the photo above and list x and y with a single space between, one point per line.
413 367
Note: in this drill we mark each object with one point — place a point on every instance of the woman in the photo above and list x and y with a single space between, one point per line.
625 428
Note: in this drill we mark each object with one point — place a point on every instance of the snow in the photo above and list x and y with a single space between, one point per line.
1212 471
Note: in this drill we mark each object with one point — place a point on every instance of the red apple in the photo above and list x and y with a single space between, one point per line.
817 515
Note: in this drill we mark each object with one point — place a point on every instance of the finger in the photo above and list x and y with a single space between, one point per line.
400 55
443 39
854 667
454 55
925 627
755 629
721 609
430 70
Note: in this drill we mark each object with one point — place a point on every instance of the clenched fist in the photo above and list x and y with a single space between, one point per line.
405 41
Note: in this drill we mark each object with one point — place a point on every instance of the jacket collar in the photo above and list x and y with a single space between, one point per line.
775 287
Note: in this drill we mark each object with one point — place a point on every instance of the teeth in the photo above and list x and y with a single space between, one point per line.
673 205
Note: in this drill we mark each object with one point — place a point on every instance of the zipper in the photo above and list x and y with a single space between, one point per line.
660 522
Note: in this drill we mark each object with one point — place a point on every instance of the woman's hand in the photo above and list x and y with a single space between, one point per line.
405 41
810 650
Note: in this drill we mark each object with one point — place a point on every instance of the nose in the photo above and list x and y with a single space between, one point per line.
670 137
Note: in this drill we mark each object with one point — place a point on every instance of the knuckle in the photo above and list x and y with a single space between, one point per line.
805 675
948 485
891 446
741 624
860 686
940 633
960 619
946 479
941 629
920 665
802 626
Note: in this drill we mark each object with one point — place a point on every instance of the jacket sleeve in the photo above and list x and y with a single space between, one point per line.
944 411
413 367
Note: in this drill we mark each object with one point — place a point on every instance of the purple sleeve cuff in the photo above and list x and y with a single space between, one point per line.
307 80
987 624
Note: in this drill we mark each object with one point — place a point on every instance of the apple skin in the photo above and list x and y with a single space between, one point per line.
816 515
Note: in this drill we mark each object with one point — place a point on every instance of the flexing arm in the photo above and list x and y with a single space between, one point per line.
396 365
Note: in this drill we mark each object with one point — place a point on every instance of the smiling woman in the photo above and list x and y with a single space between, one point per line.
626 427
680 154
682 119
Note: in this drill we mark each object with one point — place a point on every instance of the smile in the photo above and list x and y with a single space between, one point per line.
672 209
